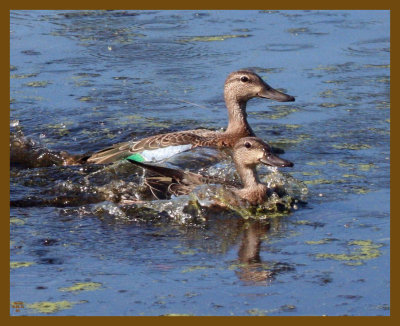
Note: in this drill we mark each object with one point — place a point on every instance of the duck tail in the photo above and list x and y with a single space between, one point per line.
110 154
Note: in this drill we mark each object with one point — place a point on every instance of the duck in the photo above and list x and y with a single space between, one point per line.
247 154
240 86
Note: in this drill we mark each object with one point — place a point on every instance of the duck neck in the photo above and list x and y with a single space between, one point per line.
237 117
248 175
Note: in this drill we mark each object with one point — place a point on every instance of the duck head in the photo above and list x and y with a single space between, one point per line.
242 85
251 151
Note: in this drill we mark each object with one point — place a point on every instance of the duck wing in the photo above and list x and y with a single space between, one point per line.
185 177
197 137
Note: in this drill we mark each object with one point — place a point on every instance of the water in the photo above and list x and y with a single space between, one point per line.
80 81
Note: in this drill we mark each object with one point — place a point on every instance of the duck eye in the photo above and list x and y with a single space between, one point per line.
247 145
244 79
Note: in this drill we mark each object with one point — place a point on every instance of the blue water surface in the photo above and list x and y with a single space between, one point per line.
83 80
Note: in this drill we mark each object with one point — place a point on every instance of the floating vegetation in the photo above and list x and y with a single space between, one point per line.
383 80
48 307
260 312
316 172
23 76
87 286
59 129
19 264
351 176
366 166
377 66
322 241
365 250
83 83
286 47
383 105
299 30
354 147
85 98
16 221
316 163
212 38
308 223
291 126
327 68
188 252
38 84
286 141
330 105
85 74
260 70
195 268
318 181
327 93
336 82
360 190
279 112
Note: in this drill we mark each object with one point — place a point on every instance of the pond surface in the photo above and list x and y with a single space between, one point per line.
83 80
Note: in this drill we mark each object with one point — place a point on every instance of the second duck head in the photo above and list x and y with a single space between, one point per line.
251 151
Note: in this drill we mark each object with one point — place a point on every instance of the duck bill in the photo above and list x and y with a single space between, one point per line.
273 160
273 94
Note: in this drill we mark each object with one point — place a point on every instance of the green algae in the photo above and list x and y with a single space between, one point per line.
287 141
365 250
315 163
194 268
310 173
19 264
281 111
23 76
366 166
187 252
298 30
359 190
48 307
16 221
85 99
259 312
327 68
377 66
329 105
319 181
59 128
38 83
82 286
383 80
212 38
151 122
327 93
319 242
383 105
83 83
336 82
351 176
353 147
307 223
291 126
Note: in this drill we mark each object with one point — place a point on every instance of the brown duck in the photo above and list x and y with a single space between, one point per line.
248 152
240 86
